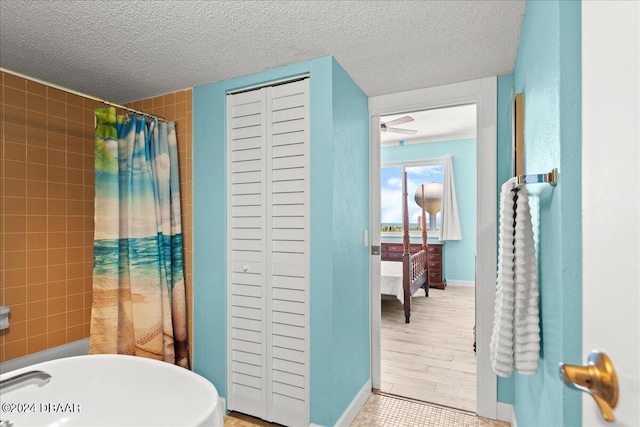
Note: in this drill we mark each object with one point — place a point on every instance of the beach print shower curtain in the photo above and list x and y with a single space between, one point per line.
138 281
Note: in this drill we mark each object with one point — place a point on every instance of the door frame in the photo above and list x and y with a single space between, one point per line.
483 93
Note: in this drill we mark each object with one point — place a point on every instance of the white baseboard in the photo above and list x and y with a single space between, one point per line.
466 283
506 413
355 406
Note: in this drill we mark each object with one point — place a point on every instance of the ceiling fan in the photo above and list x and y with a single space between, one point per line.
387 127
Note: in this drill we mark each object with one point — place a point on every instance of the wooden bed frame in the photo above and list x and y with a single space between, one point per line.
415 269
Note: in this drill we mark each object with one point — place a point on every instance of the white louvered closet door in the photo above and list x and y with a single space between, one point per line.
268 153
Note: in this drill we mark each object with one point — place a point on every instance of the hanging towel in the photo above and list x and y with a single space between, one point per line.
501 348
527 320
515 342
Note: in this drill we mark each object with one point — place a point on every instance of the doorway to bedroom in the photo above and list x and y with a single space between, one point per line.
430 156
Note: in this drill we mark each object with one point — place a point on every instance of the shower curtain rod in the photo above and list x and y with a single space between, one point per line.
75 92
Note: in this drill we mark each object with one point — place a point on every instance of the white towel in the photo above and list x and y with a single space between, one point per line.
501 348
515 342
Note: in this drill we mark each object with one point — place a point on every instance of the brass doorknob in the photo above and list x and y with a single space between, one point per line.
598 378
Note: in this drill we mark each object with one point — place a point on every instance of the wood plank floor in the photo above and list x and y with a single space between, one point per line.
432 358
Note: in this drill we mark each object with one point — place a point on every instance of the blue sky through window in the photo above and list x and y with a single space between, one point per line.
391 191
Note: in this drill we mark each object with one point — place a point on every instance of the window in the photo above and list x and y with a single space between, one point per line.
391 197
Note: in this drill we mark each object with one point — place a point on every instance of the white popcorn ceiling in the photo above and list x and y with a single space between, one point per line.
129 50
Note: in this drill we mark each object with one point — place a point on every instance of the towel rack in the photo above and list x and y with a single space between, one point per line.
551 178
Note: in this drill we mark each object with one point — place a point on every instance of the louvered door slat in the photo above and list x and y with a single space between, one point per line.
249 132
246 279
247 144
289 114
289 223
248 313
289 210
245 233
246 380
246 200
288 331
249 154
249 302
286 377
290 344
289 246
289 269
288 258
247 256
252 222
289 174
289 355
289 126
289 319
246 177
251 188
285 282
253 370
245 211
246 166
246 121
246 106
292 234
246 335
288 162
289 186
246 290
289 306
247 351
288 295
289 139
288 390
288 101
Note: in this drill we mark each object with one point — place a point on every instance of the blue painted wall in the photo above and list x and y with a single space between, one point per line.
505 171
547 71
334 175
459 254
350 347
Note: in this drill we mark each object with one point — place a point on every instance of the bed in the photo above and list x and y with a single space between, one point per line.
401 280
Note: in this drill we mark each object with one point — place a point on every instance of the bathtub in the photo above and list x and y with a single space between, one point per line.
110 390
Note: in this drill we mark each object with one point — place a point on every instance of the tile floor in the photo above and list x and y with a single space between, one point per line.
381 411
388 411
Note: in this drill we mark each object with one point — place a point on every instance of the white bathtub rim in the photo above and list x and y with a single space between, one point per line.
208 415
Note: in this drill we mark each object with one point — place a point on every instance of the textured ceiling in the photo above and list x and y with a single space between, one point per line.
128 50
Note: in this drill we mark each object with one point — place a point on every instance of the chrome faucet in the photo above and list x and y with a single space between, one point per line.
39 378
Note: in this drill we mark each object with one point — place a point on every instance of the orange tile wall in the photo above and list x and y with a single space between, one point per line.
46 205
46 228
176 107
